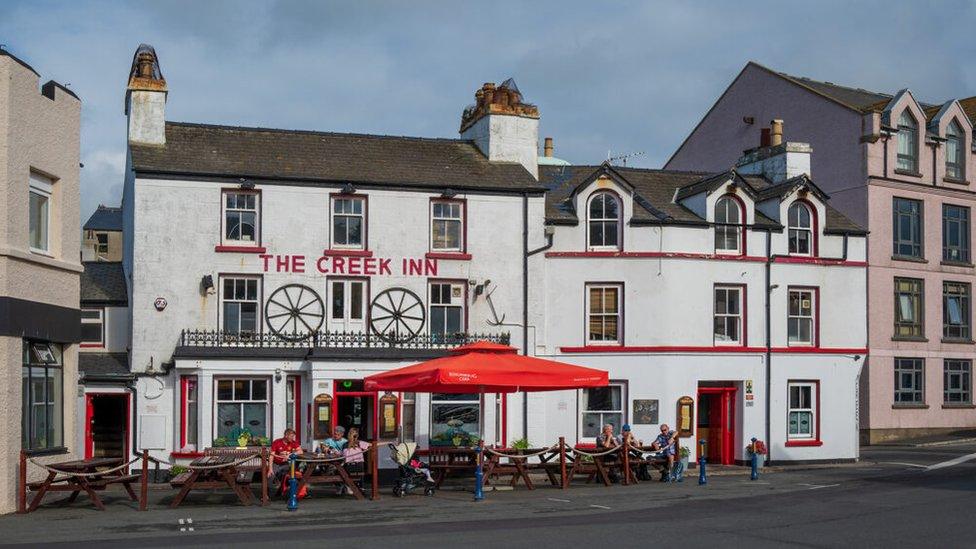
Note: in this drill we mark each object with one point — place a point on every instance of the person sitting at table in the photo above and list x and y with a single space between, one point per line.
281 450
353 452
335 444
607 441
627 436
666 441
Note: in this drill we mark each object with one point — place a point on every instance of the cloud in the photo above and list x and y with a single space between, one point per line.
617 76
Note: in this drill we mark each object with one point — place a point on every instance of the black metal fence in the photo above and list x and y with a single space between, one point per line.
323 339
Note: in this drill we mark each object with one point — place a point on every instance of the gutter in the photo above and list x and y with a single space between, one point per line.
525 305
769 347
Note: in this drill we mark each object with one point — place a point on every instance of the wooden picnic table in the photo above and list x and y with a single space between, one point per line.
82 476
518 464
210 472
444 461
333 472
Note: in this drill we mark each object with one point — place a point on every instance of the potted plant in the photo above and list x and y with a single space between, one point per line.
756 448
521 444
684 454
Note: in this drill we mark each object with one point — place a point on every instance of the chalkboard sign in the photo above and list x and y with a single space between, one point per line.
645 411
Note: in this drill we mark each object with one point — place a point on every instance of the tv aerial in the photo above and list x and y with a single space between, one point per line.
622 158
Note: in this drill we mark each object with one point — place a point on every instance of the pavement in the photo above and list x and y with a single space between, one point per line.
904 496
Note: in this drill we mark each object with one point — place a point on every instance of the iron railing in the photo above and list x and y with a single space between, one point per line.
325 339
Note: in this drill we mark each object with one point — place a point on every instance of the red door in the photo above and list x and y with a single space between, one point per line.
721 423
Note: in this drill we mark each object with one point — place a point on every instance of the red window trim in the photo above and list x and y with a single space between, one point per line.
460 281
184 390
342 252
298 403
364 248
464 225
448 255
240 249
221 220
744 305
744 225
814 229
711 349
620 219
815 441
657 255
819 261
620 325
815 344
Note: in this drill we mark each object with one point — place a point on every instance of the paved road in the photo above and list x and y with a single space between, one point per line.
906 497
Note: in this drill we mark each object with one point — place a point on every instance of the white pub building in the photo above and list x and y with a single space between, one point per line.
269 271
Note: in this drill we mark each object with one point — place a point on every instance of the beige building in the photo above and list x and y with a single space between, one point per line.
103 235
39 270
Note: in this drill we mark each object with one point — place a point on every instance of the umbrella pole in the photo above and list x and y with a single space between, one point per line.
479 475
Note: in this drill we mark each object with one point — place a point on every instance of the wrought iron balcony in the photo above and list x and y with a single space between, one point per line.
323 344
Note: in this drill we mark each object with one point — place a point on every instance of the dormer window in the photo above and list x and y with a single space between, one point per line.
955 159
800 220
907 142
728 226
603 223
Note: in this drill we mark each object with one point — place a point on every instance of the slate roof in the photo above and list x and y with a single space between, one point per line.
103 364
655 193
836 222
322 157
103 283
104 218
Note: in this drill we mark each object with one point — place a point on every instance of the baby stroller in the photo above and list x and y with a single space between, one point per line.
412 473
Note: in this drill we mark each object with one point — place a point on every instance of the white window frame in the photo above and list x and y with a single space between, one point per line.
191 427
240 402
291 384
408 401
447 220
100 321
333 202
224 210
605 222
44 187
910 133
619 314
812 294
811 408
583 410
955 132
259 319
723 227
740 316
791 229
458 302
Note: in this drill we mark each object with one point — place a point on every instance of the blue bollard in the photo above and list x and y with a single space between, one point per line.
292 486
702 479
755 463
479 475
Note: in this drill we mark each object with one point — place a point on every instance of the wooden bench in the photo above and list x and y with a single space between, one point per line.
444 461
247 469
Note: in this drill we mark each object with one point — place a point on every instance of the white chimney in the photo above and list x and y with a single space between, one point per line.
503 127
145 99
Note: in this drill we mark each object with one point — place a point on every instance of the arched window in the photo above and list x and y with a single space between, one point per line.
603 223
907 142
955 159
728 226
800 226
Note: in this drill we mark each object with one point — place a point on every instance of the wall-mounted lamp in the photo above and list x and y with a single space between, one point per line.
277 374
448 193
207 284
347 189
247 185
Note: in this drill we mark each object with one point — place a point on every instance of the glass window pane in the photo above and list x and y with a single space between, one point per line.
454 424
259 389
228 418
225 389
254 418
242 389
356 301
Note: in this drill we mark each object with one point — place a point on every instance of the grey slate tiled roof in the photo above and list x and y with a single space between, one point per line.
103 364
103 283
104 218
333 158
655 192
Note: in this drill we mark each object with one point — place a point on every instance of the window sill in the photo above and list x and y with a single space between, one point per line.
803 443
909 258
458 256
910 339
958 406
240 249
958 341
40 252
909 406
950 263
60 450
955 181
339 252
908 173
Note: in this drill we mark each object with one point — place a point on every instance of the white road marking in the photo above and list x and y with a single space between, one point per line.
905 464
559 500
599 506
819 486
186 528
951 462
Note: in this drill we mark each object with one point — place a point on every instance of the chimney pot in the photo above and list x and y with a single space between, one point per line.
776 131
764 137
547 148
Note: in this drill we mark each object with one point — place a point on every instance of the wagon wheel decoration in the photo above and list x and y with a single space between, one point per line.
294 312
397 314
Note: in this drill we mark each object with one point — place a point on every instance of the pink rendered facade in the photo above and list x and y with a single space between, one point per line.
855 161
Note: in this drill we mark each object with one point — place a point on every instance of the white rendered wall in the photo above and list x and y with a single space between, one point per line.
507 138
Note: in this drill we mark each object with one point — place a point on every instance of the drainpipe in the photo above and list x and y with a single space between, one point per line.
525 305
769 348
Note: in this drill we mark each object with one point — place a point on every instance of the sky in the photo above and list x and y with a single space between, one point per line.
617 78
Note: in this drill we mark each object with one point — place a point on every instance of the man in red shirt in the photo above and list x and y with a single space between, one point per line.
281 449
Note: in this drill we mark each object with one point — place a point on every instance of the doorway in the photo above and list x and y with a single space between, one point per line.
356 410
716 423
107 425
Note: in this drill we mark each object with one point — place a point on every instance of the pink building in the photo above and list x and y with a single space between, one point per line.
902 168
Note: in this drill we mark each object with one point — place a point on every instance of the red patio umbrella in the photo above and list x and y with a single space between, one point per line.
484 367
